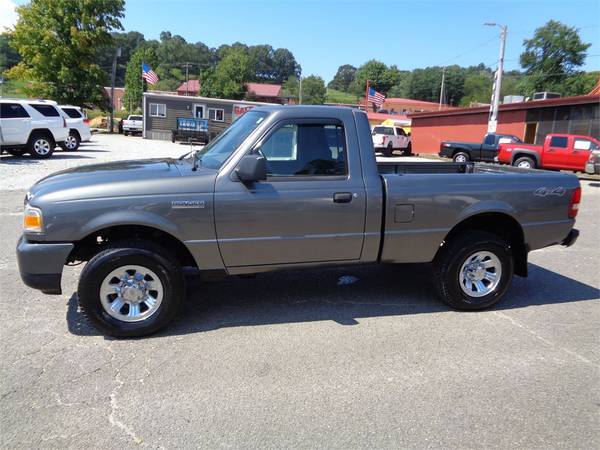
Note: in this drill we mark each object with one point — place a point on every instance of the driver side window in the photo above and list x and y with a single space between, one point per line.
295 150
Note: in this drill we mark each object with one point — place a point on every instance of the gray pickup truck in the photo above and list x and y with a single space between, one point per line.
284 187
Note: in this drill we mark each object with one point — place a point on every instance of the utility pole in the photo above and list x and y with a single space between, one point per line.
300 92
187 78
493 118
442 88
112 88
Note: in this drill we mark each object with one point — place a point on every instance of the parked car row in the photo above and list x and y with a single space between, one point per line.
558 152
37 127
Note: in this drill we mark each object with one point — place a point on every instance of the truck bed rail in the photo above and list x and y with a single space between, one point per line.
388 167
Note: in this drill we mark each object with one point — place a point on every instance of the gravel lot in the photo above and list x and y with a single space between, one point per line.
296 360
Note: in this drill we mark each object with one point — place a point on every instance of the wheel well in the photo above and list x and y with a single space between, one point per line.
41 131
460 150
501 225
524 155
74 130
99 240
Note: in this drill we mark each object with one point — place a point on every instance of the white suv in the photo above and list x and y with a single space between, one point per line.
386 139
31 126
79 129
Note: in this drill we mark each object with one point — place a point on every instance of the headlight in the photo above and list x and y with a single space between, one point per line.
32 220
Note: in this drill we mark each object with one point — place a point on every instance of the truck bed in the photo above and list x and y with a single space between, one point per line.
424 201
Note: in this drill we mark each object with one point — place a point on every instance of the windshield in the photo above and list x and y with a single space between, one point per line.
217 151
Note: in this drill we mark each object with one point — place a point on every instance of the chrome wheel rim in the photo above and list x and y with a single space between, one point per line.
131 293
460 158
524 164
41 146
71 142
480 274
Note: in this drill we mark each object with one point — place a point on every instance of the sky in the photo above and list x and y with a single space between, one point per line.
328 33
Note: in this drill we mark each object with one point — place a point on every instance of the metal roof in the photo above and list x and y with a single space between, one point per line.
532 104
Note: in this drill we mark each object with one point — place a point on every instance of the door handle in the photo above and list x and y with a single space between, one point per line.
342 197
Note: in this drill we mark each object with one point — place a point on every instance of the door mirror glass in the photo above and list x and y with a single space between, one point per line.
252 168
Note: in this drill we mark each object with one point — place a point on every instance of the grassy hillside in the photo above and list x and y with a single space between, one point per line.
335 96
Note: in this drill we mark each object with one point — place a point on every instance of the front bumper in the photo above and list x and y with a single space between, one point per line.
41 264
571 238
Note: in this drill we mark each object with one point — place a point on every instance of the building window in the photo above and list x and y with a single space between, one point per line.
158 110
216 114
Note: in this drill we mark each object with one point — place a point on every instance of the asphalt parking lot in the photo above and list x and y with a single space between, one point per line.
301 360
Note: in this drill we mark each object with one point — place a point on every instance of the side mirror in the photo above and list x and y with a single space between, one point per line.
252 168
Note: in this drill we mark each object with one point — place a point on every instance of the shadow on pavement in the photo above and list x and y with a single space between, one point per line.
311 295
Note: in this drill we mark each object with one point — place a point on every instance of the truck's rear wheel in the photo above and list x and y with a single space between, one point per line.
525 162
474 271
461 157
131 290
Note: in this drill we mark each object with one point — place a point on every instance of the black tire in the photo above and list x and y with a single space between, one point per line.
525 162
125 133
17 153
455 253
388 151
147 255
461 157
408 150
41 145
72 143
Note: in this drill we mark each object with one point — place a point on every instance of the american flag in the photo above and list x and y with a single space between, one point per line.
376 97
148 74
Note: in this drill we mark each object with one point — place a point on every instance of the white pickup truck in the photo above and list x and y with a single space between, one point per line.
133 124
386 139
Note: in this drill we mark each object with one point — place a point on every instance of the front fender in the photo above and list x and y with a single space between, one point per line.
129 217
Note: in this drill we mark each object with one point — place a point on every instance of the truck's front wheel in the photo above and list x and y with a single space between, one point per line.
473 271
131 290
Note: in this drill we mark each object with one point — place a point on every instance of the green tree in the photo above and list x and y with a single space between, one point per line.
380 77
552 55
128 43
477 89
57 41
290 87
313 90
134 85
425 84
343 78
8 56
284 65
228 78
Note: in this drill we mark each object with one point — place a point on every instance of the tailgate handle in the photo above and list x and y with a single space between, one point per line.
342 197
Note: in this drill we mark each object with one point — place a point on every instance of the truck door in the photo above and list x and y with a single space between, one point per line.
489 147
311 208
402 138
556 152
581 152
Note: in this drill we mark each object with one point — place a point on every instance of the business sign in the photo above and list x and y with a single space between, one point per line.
240 110
192 124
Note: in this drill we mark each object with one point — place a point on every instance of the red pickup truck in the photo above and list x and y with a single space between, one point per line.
559 151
